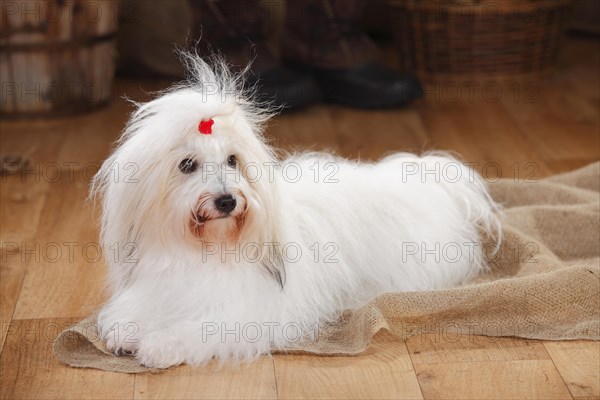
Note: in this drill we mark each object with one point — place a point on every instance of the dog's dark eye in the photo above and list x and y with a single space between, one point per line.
231 161
188 165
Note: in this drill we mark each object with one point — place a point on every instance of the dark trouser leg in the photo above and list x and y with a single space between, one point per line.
326 37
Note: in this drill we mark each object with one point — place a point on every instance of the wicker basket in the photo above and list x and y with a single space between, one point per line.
56 57
441 40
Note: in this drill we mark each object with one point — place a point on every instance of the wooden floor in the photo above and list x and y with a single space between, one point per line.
50 274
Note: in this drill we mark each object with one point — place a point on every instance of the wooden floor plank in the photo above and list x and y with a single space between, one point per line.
526 379
370 135
547 129
452 348
468 129
21 204
37 140
356 134
250 381
29 370
477 367
561 122
384 371
65 275
578 362
311 129
22 196
88 138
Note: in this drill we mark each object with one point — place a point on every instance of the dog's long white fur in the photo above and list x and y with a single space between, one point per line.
311 236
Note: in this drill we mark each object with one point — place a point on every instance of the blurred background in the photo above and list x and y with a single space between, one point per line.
498 81
512 86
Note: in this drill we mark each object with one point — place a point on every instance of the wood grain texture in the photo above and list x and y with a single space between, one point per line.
65 275
528 379
452 348
253 381
477 367
384 371
29 370
48 67
22 198
468 128
578 362
556 110
20 210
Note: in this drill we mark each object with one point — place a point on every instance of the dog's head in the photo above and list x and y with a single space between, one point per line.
191 169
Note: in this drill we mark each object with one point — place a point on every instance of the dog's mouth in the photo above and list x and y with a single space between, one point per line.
200 219
206 213
200 223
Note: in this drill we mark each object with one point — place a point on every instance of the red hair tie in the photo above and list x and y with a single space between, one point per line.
205 127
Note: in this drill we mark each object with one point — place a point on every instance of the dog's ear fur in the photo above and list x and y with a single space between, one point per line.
118 222
264 226
127 201
274 263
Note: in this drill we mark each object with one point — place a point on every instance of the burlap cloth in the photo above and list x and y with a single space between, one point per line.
544 283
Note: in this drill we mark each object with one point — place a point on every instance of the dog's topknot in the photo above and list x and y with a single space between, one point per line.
212 74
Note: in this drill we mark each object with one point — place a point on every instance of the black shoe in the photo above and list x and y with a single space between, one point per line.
368 86
283 88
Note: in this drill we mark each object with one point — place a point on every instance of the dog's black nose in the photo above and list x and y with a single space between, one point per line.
225 203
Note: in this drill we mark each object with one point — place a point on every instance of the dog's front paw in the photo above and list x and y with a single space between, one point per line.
159 350
121 338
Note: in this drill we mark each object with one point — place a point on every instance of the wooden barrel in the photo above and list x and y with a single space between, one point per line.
57 57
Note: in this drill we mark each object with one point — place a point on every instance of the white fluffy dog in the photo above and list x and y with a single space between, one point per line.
219 249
